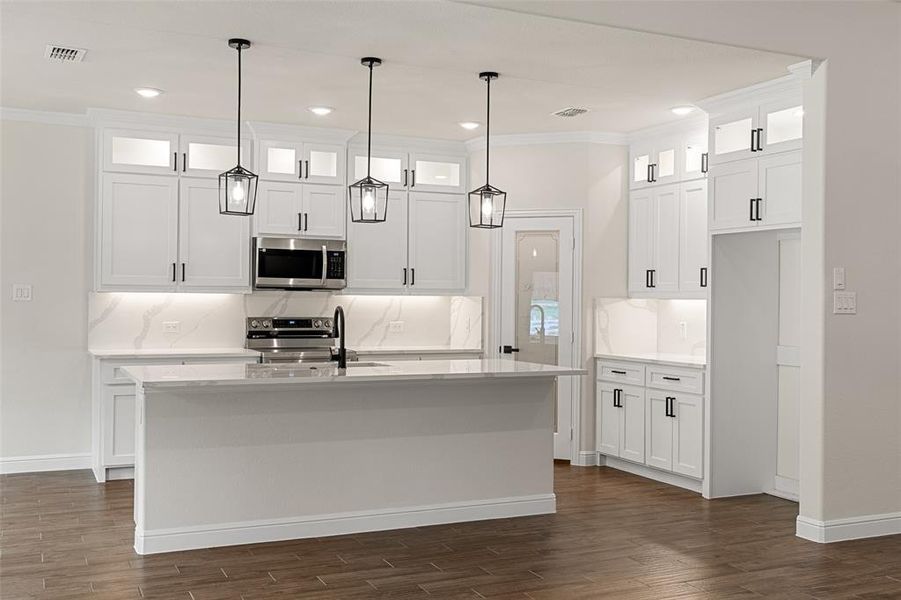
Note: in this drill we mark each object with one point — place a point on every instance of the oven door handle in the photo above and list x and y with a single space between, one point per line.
324 263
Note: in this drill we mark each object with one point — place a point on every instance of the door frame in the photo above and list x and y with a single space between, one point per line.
494 331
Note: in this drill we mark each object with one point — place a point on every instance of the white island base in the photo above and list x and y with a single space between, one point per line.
237 454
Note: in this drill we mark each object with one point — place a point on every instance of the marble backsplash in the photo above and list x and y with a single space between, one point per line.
136 320
640 326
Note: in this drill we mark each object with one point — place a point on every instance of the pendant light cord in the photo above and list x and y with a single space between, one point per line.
239 105
369 136
487 128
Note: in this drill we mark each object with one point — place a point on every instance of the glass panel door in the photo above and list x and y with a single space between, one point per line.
280 161
388 167
666 161
730 136
783 126
209 156
139 152
437 173
324 163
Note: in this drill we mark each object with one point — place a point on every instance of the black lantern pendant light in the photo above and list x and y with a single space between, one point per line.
369 197
487 203
238 186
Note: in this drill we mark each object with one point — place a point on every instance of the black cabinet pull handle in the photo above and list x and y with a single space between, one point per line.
182 271
300 169
306 163
757 210
654 172
649 173
653 278
306 221
173 271
405 275
703 279
405 178
753 142
666 378
759 134
647 278
175 161
666 406
705 162
509 349
751 210
184 162
617 372
412 177
413 277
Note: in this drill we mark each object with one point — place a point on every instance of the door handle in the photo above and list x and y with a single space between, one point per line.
173 271
405 275
617 398
703 279
306 164
757 216
405 177
184 162
509 349
647 278
759 134
653 278
299 221
653 172
325 270
300 169
705 162
412 177
306 221
649 173
413 276
182 271
753 145
751 210
175 161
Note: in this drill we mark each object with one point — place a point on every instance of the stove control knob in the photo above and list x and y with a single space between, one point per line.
267 323
327 323
254 323
317 323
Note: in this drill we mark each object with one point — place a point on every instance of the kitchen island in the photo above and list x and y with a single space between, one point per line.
236 454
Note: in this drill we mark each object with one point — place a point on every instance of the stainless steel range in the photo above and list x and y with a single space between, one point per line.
293 339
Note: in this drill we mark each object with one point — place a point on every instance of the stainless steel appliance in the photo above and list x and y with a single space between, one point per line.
293 339
299 264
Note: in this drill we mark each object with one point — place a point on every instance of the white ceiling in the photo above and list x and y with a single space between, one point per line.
307 53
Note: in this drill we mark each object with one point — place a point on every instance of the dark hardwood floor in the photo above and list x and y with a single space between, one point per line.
615 536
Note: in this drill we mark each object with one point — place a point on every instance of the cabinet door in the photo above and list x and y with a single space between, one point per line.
138 231
118 425
280 161
693 236
134 151
641 239
433 173
388 166
206 156
279 209
733 186
783 126
213 249
665 277
779 188
632 424
324 163
730 135
666 158
607 425
437 241
658 431
324 209
639 161
693 159
688 435
377 252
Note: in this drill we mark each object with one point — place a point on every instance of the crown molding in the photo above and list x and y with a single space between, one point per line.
785 86
268 130
563 137
671 128
46 117
404 143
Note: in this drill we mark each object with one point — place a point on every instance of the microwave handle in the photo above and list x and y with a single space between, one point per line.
324 263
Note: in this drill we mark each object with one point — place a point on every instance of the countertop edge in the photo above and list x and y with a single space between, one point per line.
690 364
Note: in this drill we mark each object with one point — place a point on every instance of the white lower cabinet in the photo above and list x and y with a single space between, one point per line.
657 425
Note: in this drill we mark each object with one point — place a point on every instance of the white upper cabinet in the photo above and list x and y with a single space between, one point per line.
641 240
134 151
387 166
207 156
437 241
434 173
694 160
213 249
308 210
138 232
324 163
640 165
779 189
302 162
655 163
732 135
693 253
377 252
757 131
665 271
782 123
324 209
733 193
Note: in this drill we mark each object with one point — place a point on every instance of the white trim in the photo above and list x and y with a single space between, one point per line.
788 356
46 117
562 137
494 307
787 85
851 528
587 458
688 125
686 483
44 462
785 488
270 530
407 144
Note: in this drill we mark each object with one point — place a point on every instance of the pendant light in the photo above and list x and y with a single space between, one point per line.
369 197
238 186
487 203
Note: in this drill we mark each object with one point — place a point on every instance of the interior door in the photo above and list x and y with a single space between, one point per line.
733 186
665 276
537 305
437 241
658 431
607 426
693 261
324 210
641 239
213 249
377 252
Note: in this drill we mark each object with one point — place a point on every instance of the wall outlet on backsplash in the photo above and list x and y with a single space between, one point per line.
683 330
395 326
171 326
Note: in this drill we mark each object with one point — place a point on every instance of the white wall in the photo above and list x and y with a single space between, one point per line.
47 179
592 177
635 326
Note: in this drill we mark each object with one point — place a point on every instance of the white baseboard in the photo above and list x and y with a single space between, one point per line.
851 528
251 532
686 483
586 458
785 488
114 473
45 462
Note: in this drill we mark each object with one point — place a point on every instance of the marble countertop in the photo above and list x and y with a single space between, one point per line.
660 358
262 375
414 350
167 352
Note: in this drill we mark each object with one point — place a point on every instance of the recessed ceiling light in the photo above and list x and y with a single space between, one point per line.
469 125
320 111
148 92
682 110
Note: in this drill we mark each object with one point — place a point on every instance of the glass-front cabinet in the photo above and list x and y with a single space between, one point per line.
301 162
206 156
655 164
387 166
783 126
434 173
756 131
132 151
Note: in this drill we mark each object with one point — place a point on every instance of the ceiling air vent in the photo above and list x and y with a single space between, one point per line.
64 54
571 111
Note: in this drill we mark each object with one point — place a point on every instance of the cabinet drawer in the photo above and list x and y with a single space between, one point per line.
621 372
676 379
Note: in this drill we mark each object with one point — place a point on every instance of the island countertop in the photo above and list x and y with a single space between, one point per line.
262 375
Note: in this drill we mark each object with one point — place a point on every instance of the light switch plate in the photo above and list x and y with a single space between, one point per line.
21 292
844 303
171 326
838 278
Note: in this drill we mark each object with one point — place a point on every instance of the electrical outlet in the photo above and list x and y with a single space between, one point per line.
171 326
396 326
838 278
844 303
21 292
683 330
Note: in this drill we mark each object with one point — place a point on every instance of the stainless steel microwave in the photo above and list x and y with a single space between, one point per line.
299 264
